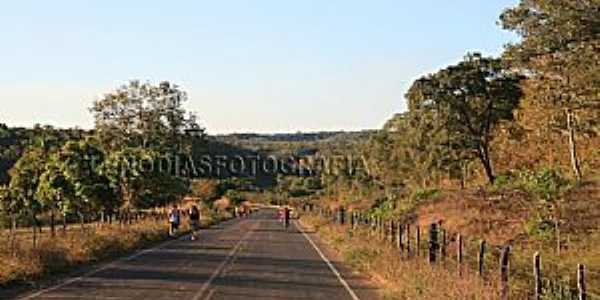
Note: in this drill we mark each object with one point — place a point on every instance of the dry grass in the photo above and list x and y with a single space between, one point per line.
501 220
398 276
26 264
75 248
497 218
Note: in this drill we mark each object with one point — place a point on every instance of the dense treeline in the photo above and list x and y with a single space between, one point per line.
13 141
292 137
121 166
535 107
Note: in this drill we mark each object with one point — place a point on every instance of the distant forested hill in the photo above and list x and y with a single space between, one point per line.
295 143
13 141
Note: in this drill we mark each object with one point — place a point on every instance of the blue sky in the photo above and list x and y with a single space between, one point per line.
248 66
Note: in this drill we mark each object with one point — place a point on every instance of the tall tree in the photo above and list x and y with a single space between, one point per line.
54 190
137 177
461 105
410 148
80 164
144 115
24 184
559 51
5 203
9 209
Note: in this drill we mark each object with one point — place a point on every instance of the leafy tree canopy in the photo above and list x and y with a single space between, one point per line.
144 115
464 102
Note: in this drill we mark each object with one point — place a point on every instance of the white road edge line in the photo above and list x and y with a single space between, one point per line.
105 267
331 266
220 268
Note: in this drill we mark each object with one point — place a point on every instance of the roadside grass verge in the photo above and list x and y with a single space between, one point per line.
397 277
26 266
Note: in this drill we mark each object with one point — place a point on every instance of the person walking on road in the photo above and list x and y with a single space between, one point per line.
286 217
174 220
194 216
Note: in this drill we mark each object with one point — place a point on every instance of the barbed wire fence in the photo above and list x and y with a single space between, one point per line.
543 280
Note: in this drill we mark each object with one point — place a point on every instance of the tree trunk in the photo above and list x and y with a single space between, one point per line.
484 157
7 231
64 225
463 176
82 221
573 147
52 224
34 229
13 234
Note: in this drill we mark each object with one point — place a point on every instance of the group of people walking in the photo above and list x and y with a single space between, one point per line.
193 214
175 216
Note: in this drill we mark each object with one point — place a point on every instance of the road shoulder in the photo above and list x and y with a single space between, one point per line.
362 286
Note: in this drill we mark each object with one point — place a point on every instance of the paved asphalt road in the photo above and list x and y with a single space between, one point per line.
252 258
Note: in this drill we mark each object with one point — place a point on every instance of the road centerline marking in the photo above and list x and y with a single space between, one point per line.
112 264
223 264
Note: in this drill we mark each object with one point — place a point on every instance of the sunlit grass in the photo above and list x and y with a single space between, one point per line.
395 275
22 263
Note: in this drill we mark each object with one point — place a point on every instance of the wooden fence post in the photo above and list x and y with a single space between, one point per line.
459 253
537 276
581 292
443 244
399 230
557 231
391 233
376 227
481 258
433 242
504 257
382 229
418 241
408 237
386 229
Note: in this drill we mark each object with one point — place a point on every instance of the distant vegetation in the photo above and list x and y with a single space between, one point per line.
523 127
504 149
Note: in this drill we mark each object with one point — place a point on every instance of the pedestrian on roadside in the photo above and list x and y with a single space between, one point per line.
194 216
286 217
174 220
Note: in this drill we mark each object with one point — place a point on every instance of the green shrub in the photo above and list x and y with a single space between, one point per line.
541 228
383 208
420 195
546 184
505 180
